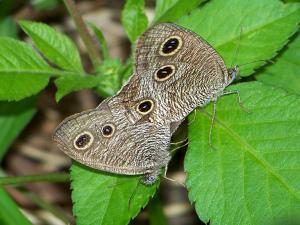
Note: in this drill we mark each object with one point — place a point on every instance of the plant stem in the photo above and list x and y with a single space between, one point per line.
84 33
19 180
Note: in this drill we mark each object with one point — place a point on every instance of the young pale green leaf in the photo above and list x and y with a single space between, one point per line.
171 10
10 213
134 19
107 199
285 71
244 32
14 116
69 83
57 47
22 71
8 27
252 173
101 39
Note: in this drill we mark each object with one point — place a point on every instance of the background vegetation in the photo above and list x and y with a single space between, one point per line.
252 176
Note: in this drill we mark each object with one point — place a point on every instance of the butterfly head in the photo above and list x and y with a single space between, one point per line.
233 73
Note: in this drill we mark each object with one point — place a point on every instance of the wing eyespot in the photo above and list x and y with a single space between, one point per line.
164 73
83 140
145 106
108 130
170 46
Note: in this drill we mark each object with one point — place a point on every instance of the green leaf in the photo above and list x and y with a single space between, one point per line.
259 28
8 27
252 175
285 71
109 77
101 40
22 71
156 214
134 19
10 213
69 83
171 10
57 47
101 198
14 116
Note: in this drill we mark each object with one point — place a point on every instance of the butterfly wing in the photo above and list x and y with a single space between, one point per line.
177 68
130 149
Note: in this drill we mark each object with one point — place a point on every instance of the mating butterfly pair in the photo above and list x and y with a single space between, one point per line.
129 133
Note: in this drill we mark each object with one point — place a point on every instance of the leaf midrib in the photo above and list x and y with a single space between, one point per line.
62 57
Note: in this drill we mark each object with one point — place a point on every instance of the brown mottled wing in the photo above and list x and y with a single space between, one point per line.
195 56
133 149
199 72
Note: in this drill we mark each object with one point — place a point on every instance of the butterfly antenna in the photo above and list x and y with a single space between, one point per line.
237 49
256 61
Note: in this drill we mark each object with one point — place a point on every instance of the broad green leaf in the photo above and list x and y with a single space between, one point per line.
171 10
8 27
9 213
14 116
252 173
57 47
69 83
258 29
106 199
101 40
22 71
109 76
134 19
285 72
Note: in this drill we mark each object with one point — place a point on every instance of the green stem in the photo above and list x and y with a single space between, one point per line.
84 33
19 180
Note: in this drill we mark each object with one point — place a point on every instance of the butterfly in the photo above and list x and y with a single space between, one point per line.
175 72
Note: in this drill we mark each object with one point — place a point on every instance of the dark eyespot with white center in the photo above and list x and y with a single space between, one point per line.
170 46
164 73
83 140
108 130
145 106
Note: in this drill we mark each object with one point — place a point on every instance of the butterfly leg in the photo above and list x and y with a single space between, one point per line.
179 147
237 92
170 179
212 123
